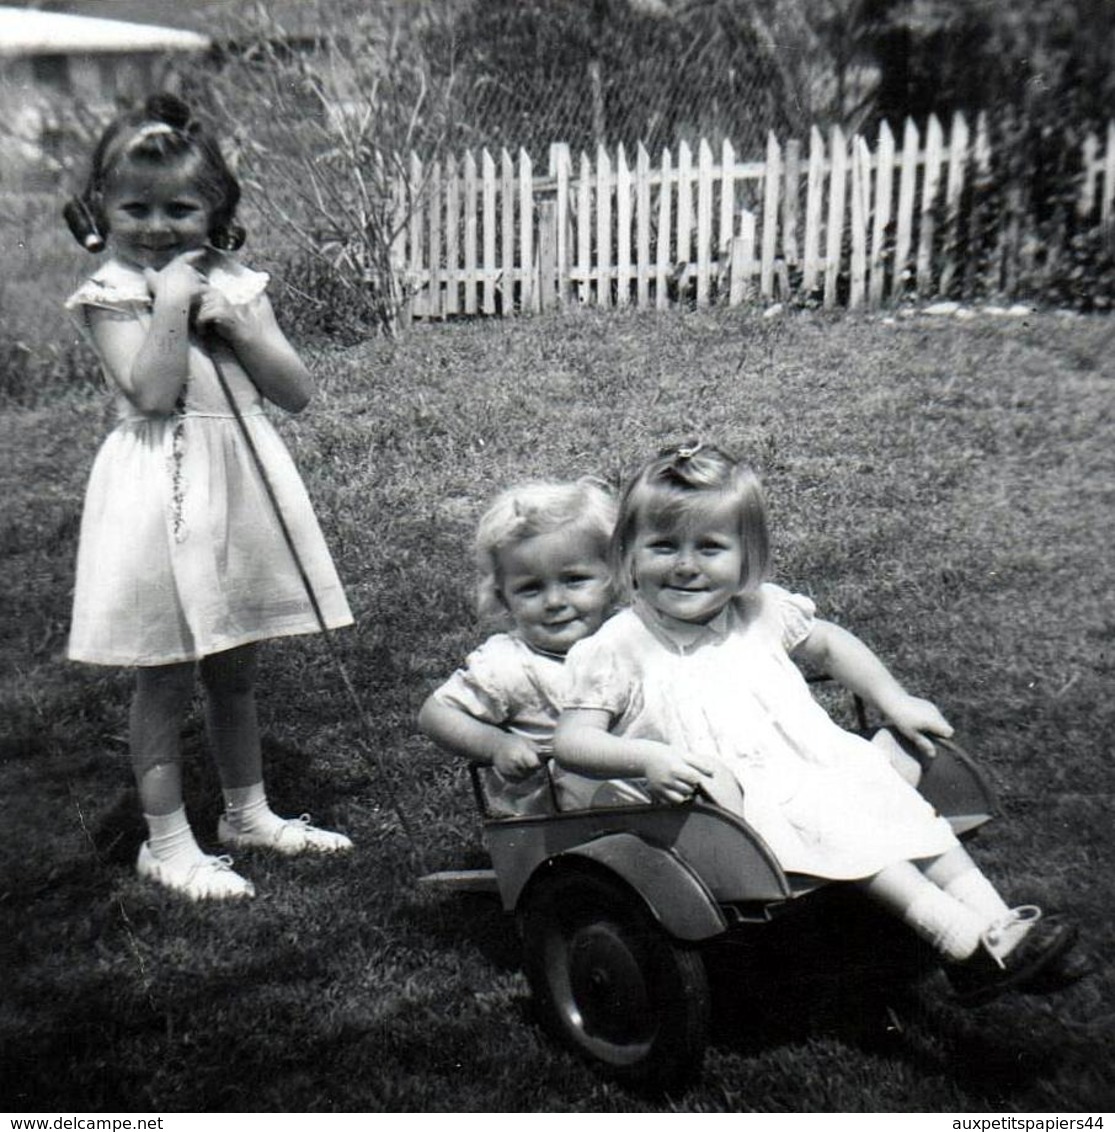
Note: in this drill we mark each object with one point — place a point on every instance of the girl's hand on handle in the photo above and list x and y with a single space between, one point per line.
180 281
918 719
674 776
515 757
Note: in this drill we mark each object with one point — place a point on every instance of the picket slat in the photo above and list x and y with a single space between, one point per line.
507 231
834 228
560 170
884 187
954 191
861 206
417 256
662 259
623 229
642 226
528 295
470 196
603 228
814 197
930 182
771 184
791 202
908 164
469 234
1107 200
682 256
727 199
584 231
704 220
452 235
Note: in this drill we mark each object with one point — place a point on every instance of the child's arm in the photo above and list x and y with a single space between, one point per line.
150 365
261 347
457 731
847 659
583 743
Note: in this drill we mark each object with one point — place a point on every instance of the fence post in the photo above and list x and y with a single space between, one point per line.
491 270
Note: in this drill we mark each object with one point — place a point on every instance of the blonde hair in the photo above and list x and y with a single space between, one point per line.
534 508
677 486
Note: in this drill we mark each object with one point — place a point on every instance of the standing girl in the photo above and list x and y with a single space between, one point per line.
182 565
696 684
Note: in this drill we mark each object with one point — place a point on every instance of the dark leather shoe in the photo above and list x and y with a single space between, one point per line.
985 976
1069 967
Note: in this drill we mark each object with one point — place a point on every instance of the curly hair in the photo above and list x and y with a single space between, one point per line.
534 508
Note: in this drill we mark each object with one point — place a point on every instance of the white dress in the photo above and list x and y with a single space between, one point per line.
180 553
508 684
827 802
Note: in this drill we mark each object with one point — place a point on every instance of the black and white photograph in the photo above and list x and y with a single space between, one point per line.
557 558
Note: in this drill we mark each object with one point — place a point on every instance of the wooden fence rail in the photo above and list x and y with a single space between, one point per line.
840 222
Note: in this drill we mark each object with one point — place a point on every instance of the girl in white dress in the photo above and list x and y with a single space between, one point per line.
694 687
182 565
542 561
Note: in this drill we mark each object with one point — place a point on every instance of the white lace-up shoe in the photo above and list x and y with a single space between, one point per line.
203 878
293 836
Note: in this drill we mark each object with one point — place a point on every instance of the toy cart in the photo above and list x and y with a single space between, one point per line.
614 905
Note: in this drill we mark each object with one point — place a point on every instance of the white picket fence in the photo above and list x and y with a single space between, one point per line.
840 221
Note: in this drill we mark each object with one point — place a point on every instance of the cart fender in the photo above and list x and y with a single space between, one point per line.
674 894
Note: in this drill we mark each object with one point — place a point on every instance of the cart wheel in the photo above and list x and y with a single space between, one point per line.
609 981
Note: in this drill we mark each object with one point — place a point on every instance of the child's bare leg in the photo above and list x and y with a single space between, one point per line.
231 720
159 706
248 820
960 877
171 854
935 915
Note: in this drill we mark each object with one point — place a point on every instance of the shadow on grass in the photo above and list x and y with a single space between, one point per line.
843 969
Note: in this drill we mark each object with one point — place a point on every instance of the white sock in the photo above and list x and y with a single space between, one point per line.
943 921
976 892
247 810
170 838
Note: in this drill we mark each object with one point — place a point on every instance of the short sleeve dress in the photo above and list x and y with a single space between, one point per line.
827 802
181 554
510 685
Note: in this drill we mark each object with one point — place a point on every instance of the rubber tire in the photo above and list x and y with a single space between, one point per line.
609 982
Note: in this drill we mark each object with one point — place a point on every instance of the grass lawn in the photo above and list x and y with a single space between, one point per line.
943 488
